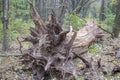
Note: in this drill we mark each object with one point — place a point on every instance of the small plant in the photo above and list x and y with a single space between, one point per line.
73 20
108 23
94 48
18 27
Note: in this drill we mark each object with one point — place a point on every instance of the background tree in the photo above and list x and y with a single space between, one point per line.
5 25
1 9
102 11
116 28
81 6
60 7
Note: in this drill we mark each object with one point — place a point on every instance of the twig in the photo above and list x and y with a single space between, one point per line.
88 65
30 56
70 43
115 70
106 31
20 49
10 55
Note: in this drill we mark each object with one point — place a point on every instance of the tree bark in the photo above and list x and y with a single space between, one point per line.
116 28
5 25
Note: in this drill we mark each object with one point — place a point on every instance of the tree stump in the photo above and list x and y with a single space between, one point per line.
54 49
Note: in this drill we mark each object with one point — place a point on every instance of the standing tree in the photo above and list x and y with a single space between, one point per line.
102 11
116 28
81 6
0 8
5 24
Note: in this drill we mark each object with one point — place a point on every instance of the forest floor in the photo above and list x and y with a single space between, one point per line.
104 50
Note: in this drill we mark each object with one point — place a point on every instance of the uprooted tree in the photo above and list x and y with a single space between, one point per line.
54 49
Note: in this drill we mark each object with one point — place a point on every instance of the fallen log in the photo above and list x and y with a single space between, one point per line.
54 49
85 36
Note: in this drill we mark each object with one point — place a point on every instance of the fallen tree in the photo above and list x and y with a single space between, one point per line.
54 49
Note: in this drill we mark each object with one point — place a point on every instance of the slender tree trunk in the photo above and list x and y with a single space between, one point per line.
0 10
102 11
116 28
5 25
62 11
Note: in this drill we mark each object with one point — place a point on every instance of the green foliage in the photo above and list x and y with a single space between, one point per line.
74 20
19 8
78 77
108 23
18 27
19 19
113 1
94 48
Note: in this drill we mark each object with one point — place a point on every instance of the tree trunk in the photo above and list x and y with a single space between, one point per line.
0 10
62 11
116 28
5 25
102 11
